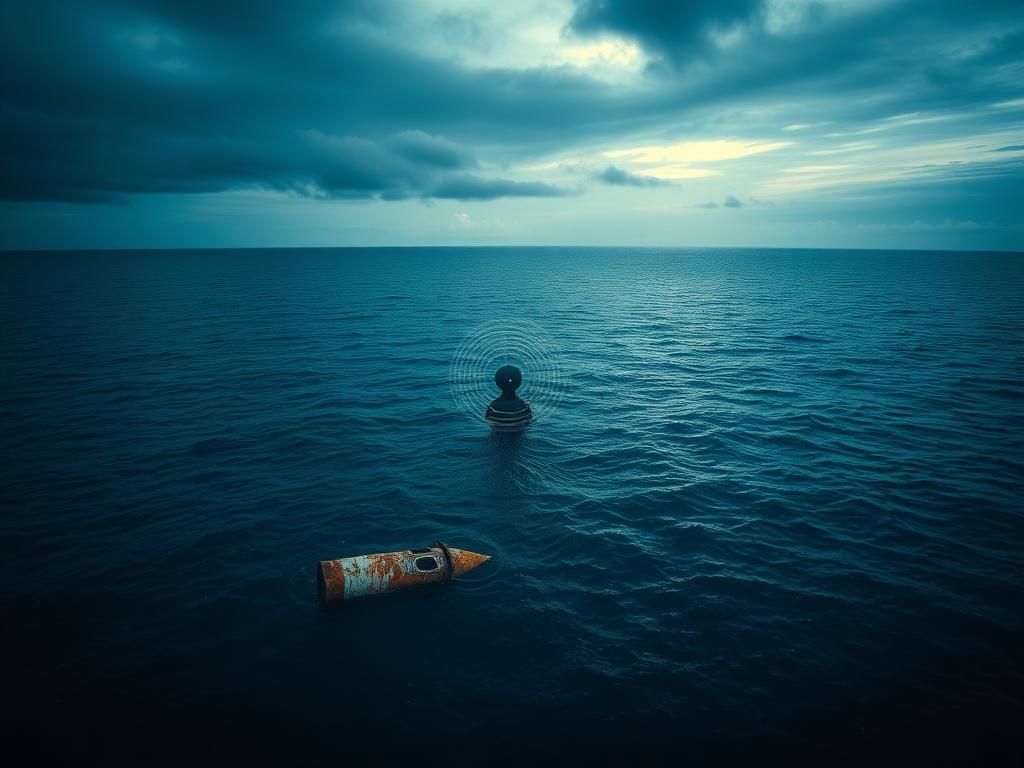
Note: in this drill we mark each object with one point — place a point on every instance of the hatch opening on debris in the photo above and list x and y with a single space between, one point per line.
426 564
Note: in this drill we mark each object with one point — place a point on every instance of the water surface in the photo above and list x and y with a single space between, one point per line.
777 514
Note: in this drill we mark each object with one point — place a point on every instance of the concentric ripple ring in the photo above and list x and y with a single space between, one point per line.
493 344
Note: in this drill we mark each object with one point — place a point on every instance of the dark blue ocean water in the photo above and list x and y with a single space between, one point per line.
777 515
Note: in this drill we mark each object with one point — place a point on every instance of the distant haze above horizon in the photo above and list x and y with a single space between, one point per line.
777 123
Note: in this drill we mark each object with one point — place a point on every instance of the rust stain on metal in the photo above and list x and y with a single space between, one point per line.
464 560
351 577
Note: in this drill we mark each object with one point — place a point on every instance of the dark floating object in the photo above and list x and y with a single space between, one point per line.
378 574
508 412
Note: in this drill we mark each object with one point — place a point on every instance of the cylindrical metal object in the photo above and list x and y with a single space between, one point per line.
351 577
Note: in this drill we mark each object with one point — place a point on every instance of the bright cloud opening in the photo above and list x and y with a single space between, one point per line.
698 151
606 53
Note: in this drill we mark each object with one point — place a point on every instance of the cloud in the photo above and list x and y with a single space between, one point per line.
470 187
420 147
411 164
675 161
730 201
921 161
687 152
336 99
676 29
299 100
618 177
918 225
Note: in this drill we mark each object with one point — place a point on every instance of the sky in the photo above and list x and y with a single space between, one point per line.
778 123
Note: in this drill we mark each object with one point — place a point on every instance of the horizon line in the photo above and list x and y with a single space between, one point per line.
4 250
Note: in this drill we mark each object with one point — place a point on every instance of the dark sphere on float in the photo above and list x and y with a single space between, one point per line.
508 412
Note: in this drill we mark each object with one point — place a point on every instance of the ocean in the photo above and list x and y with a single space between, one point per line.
769 511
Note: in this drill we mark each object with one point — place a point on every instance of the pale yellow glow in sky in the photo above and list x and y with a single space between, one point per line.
697 151
612 53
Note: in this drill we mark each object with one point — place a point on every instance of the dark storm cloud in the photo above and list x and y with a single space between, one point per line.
409 164
469 187
682 30
897 52
419 147
618 177
675 27
102 99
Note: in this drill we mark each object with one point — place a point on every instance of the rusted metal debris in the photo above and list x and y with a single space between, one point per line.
351 577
